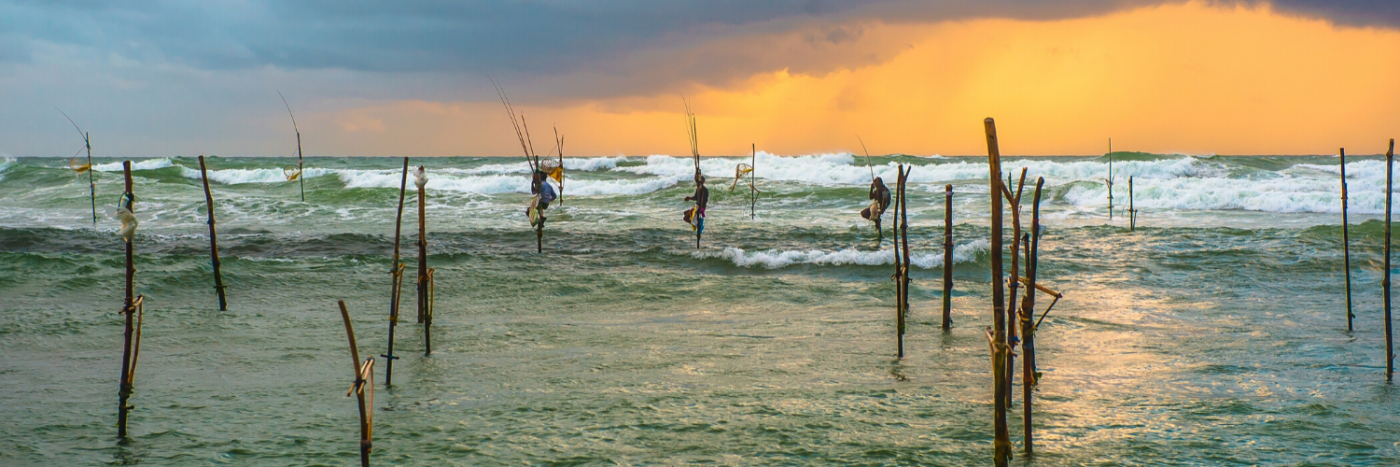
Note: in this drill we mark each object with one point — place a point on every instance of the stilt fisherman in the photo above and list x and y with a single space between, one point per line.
880 199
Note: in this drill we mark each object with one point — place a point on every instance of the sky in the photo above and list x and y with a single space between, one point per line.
791 77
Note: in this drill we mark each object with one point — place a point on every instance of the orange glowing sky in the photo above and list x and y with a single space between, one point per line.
791 76
1190 78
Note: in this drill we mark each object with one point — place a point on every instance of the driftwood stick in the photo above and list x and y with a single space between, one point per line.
1002 440
948 257
1346 242
213 239
129 306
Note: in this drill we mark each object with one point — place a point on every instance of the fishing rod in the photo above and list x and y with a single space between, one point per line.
867 159
300 178
92 182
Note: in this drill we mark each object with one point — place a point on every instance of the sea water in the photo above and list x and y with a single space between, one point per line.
1213 334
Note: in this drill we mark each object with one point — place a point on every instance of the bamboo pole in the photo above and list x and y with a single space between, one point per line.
898 269
1389 175
363 387
422 251
301 177
92 182
395 281
904 238
213 239
948 257
129 308
997 336
1110 179
1028 378
1346 242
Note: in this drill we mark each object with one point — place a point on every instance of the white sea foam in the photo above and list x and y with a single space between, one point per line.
846 169
775 259
241 176
5 163
148 164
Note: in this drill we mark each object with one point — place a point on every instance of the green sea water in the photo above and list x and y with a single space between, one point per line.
1212 334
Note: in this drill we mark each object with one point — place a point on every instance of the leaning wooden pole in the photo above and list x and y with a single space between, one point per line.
395 281
131 307
898 270
997 336
363 387
1346 242
753 178
1028 379
947 257
213 238
1389 175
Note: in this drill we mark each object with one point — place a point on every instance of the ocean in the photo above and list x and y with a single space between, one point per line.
1212 334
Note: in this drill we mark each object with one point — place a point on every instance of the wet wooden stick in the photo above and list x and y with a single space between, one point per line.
904 240
395 281
898 270
1028 376
363 387
129 306
1109 181
1389 175
1132 211
428 316
422 252
997 335
1012 333
753 175
213 239
1346 242
948 257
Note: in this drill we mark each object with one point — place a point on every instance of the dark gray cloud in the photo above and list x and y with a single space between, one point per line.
634 46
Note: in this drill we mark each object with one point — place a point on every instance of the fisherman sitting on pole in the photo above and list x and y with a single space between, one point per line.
880 196
544 194
696 215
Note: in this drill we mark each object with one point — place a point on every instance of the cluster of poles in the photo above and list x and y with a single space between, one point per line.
1013 324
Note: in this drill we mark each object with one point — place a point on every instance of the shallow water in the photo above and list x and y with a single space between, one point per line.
1213 334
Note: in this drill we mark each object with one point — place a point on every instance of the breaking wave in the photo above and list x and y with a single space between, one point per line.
776 259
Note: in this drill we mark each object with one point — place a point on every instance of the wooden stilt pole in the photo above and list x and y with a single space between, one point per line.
904 239
428 315
395 282
422 252
1110 179
1389 175
131 308
997 335
1028 377
92 182
363 387
948 257
753 175
898 268
1346 242
1132 211
213 239
1012 333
